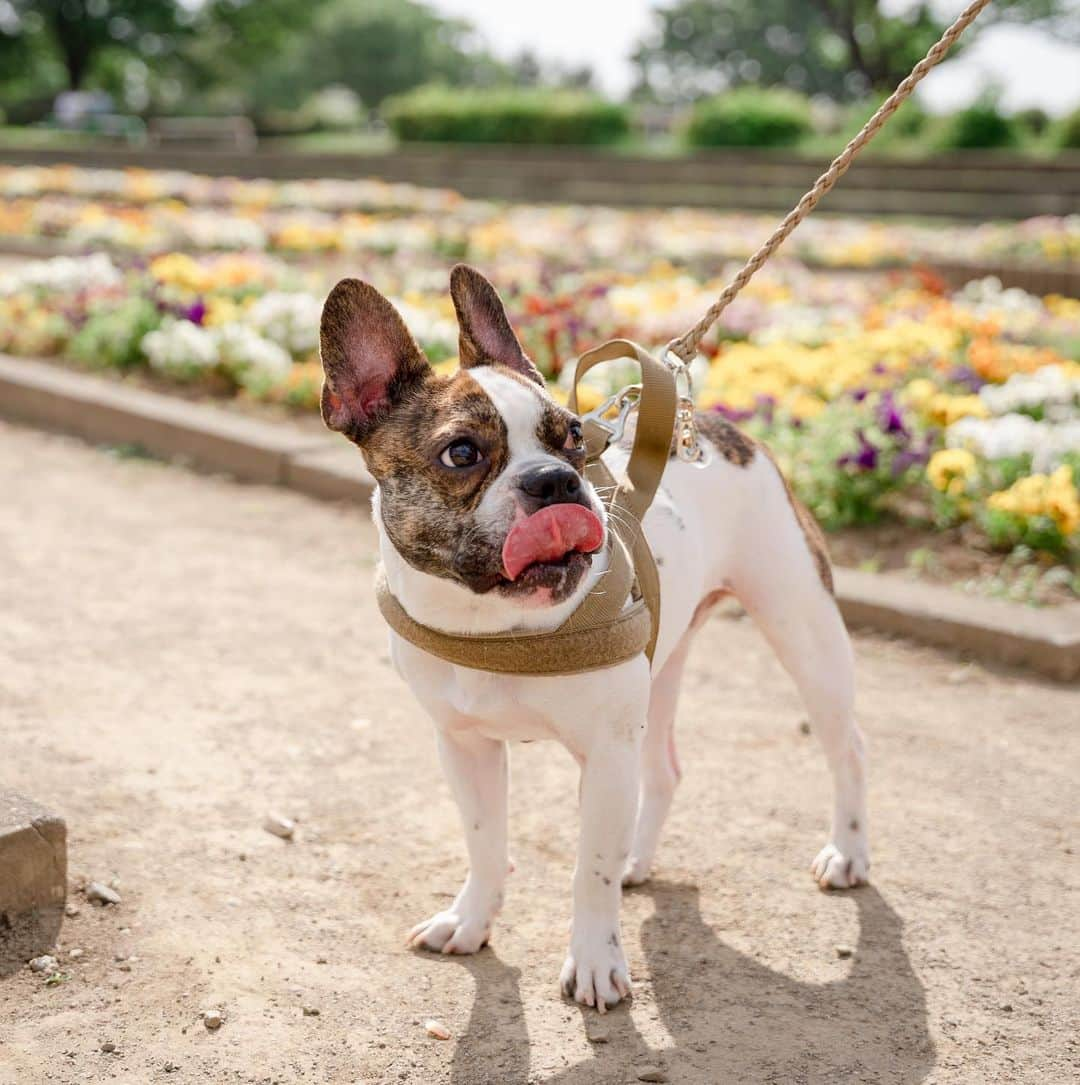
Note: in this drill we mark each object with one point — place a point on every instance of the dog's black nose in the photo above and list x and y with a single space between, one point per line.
550 484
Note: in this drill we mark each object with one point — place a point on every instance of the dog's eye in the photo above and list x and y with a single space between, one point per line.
575 440
460 454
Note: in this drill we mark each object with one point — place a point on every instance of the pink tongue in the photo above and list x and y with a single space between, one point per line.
548 535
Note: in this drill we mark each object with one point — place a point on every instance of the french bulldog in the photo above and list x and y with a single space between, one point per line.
486 524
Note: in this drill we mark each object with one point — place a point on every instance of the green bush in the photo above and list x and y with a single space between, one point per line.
750 117
1069 131
112 334
981 125
439 114
909 121
1034 120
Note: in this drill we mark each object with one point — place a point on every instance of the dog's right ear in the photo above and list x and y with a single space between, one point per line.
369 359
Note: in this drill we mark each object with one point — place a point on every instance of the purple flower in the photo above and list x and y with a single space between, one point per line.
859 394
731 413
965 375
865 459
196 312
765 406
889 417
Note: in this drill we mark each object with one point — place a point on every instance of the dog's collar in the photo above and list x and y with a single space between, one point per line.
605 630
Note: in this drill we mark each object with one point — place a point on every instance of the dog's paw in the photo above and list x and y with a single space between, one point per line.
637 871
453 931
595 972
842 869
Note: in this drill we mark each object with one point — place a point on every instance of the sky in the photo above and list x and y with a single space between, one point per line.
1031 68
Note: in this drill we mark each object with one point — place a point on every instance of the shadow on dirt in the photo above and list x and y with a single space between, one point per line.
732 1019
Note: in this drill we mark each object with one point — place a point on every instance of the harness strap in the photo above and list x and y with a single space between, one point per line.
605 629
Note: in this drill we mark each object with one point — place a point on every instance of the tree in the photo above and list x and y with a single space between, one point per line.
377 48
92 38
838 48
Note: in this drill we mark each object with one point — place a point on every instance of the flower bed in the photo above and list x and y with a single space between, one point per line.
155 212
884 397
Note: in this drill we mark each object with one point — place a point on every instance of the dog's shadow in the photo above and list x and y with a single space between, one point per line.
731 1018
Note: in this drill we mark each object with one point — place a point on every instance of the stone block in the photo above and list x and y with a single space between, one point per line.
33 880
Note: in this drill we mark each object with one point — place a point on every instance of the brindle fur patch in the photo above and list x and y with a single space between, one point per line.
727 439
426 505
369 358
486 337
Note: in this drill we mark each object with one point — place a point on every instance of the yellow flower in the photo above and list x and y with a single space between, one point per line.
179 269
948 466
1054 496
945 409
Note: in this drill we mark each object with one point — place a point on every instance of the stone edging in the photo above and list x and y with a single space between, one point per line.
209 438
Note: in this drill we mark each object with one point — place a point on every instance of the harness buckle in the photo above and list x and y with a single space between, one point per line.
627 400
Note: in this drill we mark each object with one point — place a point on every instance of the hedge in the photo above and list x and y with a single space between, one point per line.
439 114
750 117
981 125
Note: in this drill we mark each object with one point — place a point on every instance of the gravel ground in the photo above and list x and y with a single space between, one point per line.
180 656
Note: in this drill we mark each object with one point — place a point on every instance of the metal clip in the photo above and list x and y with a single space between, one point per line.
687 446
626 399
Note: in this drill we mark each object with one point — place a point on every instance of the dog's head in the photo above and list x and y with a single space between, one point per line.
480 474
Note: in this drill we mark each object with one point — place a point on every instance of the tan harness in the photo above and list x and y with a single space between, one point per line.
606 628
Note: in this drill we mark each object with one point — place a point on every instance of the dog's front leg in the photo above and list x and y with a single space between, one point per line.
476 768
595 972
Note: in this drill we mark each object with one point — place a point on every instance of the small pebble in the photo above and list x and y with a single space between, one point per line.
321 960
99 893
170 1068
311 1011
108 1047
652 1073
44 963
75 954
843 952
212 1019
597 1037
279 826
1006 1007
804 727
436 1029
71 911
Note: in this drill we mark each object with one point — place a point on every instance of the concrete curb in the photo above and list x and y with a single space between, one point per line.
209 438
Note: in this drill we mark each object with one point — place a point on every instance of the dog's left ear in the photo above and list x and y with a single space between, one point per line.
486 337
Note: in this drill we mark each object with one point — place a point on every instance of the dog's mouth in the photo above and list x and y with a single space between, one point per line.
546 554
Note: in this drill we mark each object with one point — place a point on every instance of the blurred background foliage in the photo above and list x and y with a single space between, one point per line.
709 73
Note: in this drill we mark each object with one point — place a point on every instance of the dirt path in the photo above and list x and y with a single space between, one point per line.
179 655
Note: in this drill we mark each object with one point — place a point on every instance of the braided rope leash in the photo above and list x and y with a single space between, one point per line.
685 347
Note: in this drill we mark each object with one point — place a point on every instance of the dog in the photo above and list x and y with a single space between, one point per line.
486 524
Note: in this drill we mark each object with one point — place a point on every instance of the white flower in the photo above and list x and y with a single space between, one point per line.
241 348
1014 435
62 274
430 329
289 319
1047 386
181 348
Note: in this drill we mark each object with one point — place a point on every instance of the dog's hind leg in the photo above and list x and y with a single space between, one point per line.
660 770
785 586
